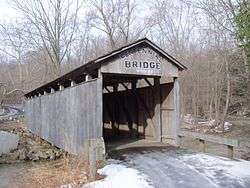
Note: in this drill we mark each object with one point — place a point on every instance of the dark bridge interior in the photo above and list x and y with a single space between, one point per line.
129 107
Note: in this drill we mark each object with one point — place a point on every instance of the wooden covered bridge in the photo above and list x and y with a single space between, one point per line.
132 92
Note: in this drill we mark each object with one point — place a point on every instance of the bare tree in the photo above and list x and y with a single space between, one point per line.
52 24
14 45
117 20
174 25
223 13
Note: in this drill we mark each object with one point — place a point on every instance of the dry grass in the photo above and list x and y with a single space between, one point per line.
65 171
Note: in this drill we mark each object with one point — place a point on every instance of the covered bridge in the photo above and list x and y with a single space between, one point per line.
131 92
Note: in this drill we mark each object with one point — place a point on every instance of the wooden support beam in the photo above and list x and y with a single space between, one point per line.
230 151
202 145
61 87
115 125
99 99
157 110
127 113
135 129
145 107
88 77
107 89
176 128
72 83
109 113
126 87
148 82
52 90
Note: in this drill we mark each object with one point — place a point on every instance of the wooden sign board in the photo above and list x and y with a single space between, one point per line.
139 61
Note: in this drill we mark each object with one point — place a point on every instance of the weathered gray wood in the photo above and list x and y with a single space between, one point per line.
230 151
148 82
135 110
92 158
61 87
72 83
141 61
70 116
202 145
52 90
210 138
157 109
99 106
67 118
176 126
167 113
115 124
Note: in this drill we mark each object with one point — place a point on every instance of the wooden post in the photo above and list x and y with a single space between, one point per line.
61 87
100 101
52 90
176 128
157 110
134 130
72 83
180 140
92 160
87 77
202 145
114 123
230 151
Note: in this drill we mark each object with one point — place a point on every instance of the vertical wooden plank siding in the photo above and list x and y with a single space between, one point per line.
170 111
69 117
176 125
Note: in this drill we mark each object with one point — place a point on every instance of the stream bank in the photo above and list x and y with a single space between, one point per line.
29 148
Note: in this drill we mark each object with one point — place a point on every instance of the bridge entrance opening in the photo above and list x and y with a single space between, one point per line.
132 108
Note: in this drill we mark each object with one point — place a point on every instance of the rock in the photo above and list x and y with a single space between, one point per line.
22 154
8 142
27 146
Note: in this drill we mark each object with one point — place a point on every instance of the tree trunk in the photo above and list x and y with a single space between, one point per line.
211 107
1 105
227 96
246 55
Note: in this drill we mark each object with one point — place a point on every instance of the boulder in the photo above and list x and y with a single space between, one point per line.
8 142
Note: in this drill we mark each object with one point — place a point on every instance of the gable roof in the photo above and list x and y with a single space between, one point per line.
136 43
98 61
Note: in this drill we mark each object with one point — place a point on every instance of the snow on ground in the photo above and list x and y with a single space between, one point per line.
219 168
162 168
203 125
120 176
182 169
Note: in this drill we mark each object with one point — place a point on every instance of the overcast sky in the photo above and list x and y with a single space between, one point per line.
7 14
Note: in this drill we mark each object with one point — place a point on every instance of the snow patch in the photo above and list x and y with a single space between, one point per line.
213 165
120 176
